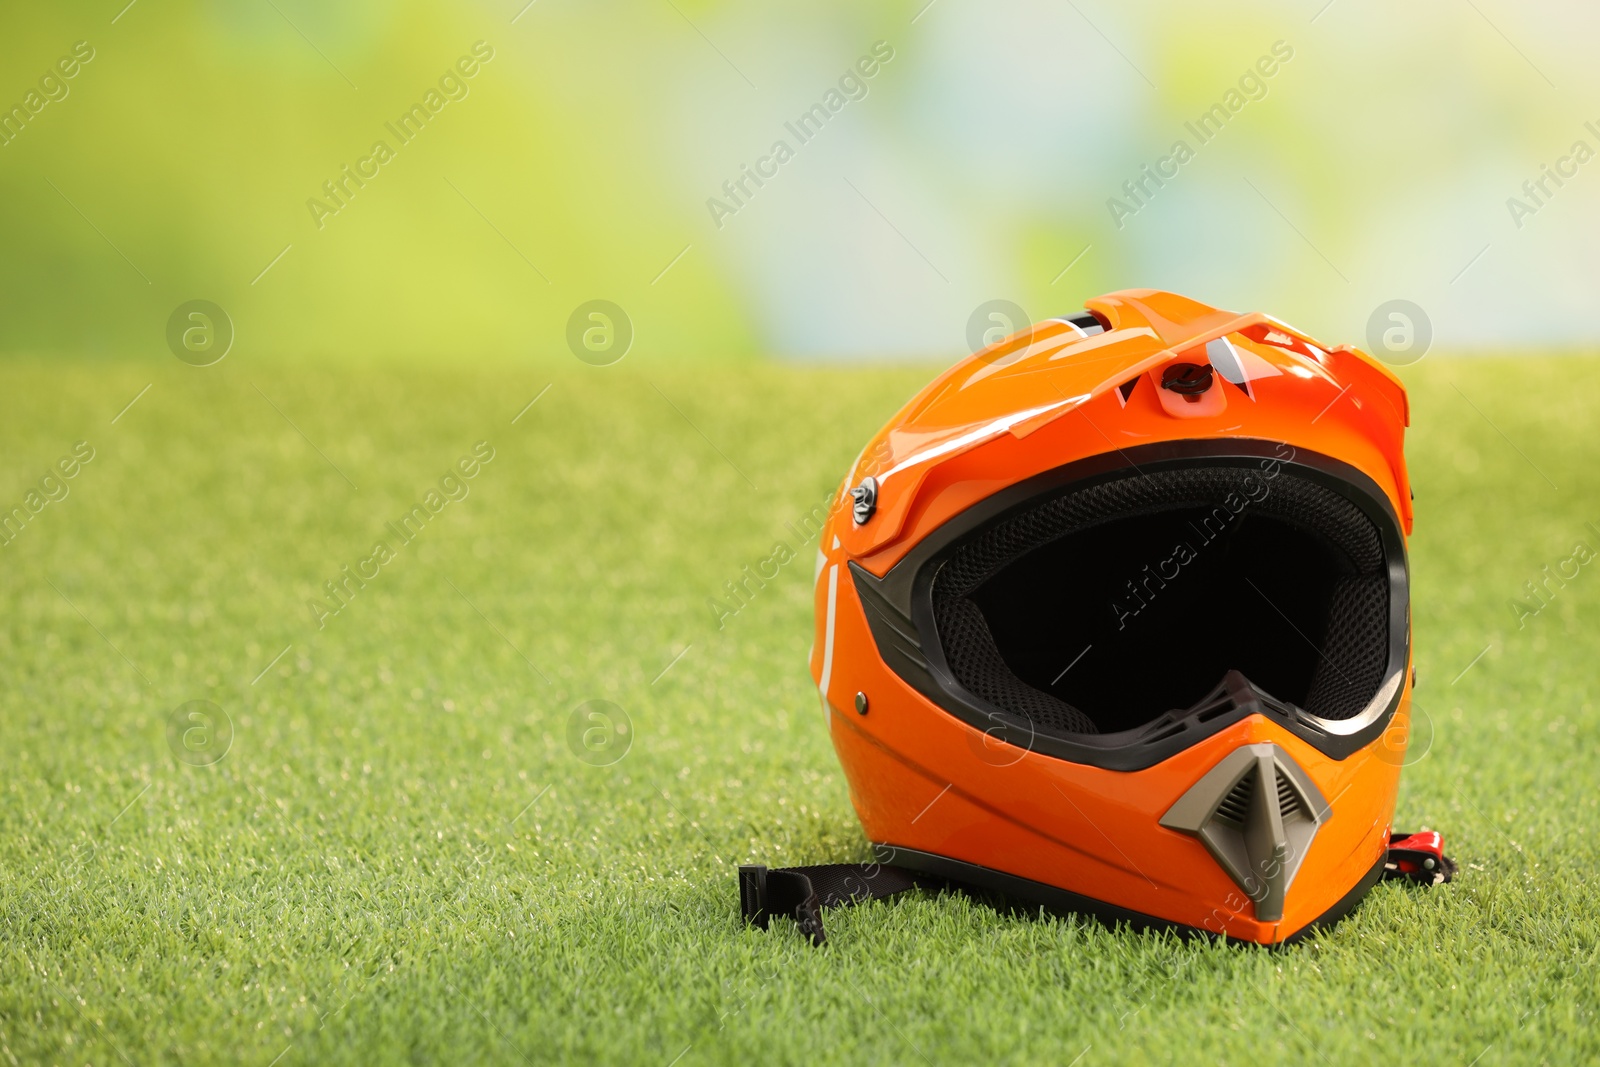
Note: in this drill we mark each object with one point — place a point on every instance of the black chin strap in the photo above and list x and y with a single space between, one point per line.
800 893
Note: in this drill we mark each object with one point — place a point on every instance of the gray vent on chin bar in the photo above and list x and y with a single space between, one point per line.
1256 812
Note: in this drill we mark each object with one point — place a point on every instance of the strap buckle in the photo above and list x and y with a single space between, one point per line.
1418 858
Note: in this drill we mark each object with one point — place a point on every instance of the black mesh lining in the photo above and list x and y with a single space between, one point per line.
976 661
1357 622
1313 577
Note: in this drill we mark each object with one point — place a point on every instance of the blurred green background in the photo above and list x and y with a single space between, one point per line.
977 164
405 855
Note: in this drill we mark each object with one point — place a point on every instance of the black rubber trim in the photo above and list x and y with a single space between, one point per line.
1065 901
899 607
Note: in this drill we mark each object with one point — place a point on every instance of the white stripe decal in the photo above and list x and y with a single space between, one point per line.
827 632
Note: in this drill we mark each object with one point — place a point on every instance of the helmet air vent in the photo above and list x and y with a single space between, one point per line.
1235 807
1256 812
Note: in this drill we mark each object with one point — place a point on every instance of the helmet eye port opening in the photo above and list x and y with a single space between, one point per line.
1127 604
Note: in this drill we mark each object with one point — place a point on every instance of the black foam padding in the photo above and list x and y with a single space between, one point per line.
976 661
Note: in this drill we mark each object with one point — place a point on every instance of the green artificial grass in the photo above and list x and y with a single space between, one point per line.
401 857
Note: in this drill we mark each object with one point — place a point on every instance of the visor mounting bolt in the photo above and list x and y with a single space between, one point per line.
865 496
1188 380
861 703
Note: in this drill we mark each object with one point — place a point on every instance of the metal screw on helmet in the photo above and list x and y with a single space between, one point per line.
861 703
866 497
1188 380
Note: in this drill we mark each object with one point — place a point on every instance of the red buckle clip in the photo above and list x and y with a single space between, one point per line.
1419 857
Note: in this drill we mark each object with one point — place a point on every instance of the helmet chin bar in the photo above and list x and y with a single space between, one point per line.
1256 812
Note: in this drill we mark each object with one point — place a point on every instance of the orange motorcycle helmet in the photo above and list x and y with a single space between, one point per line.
1113 617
